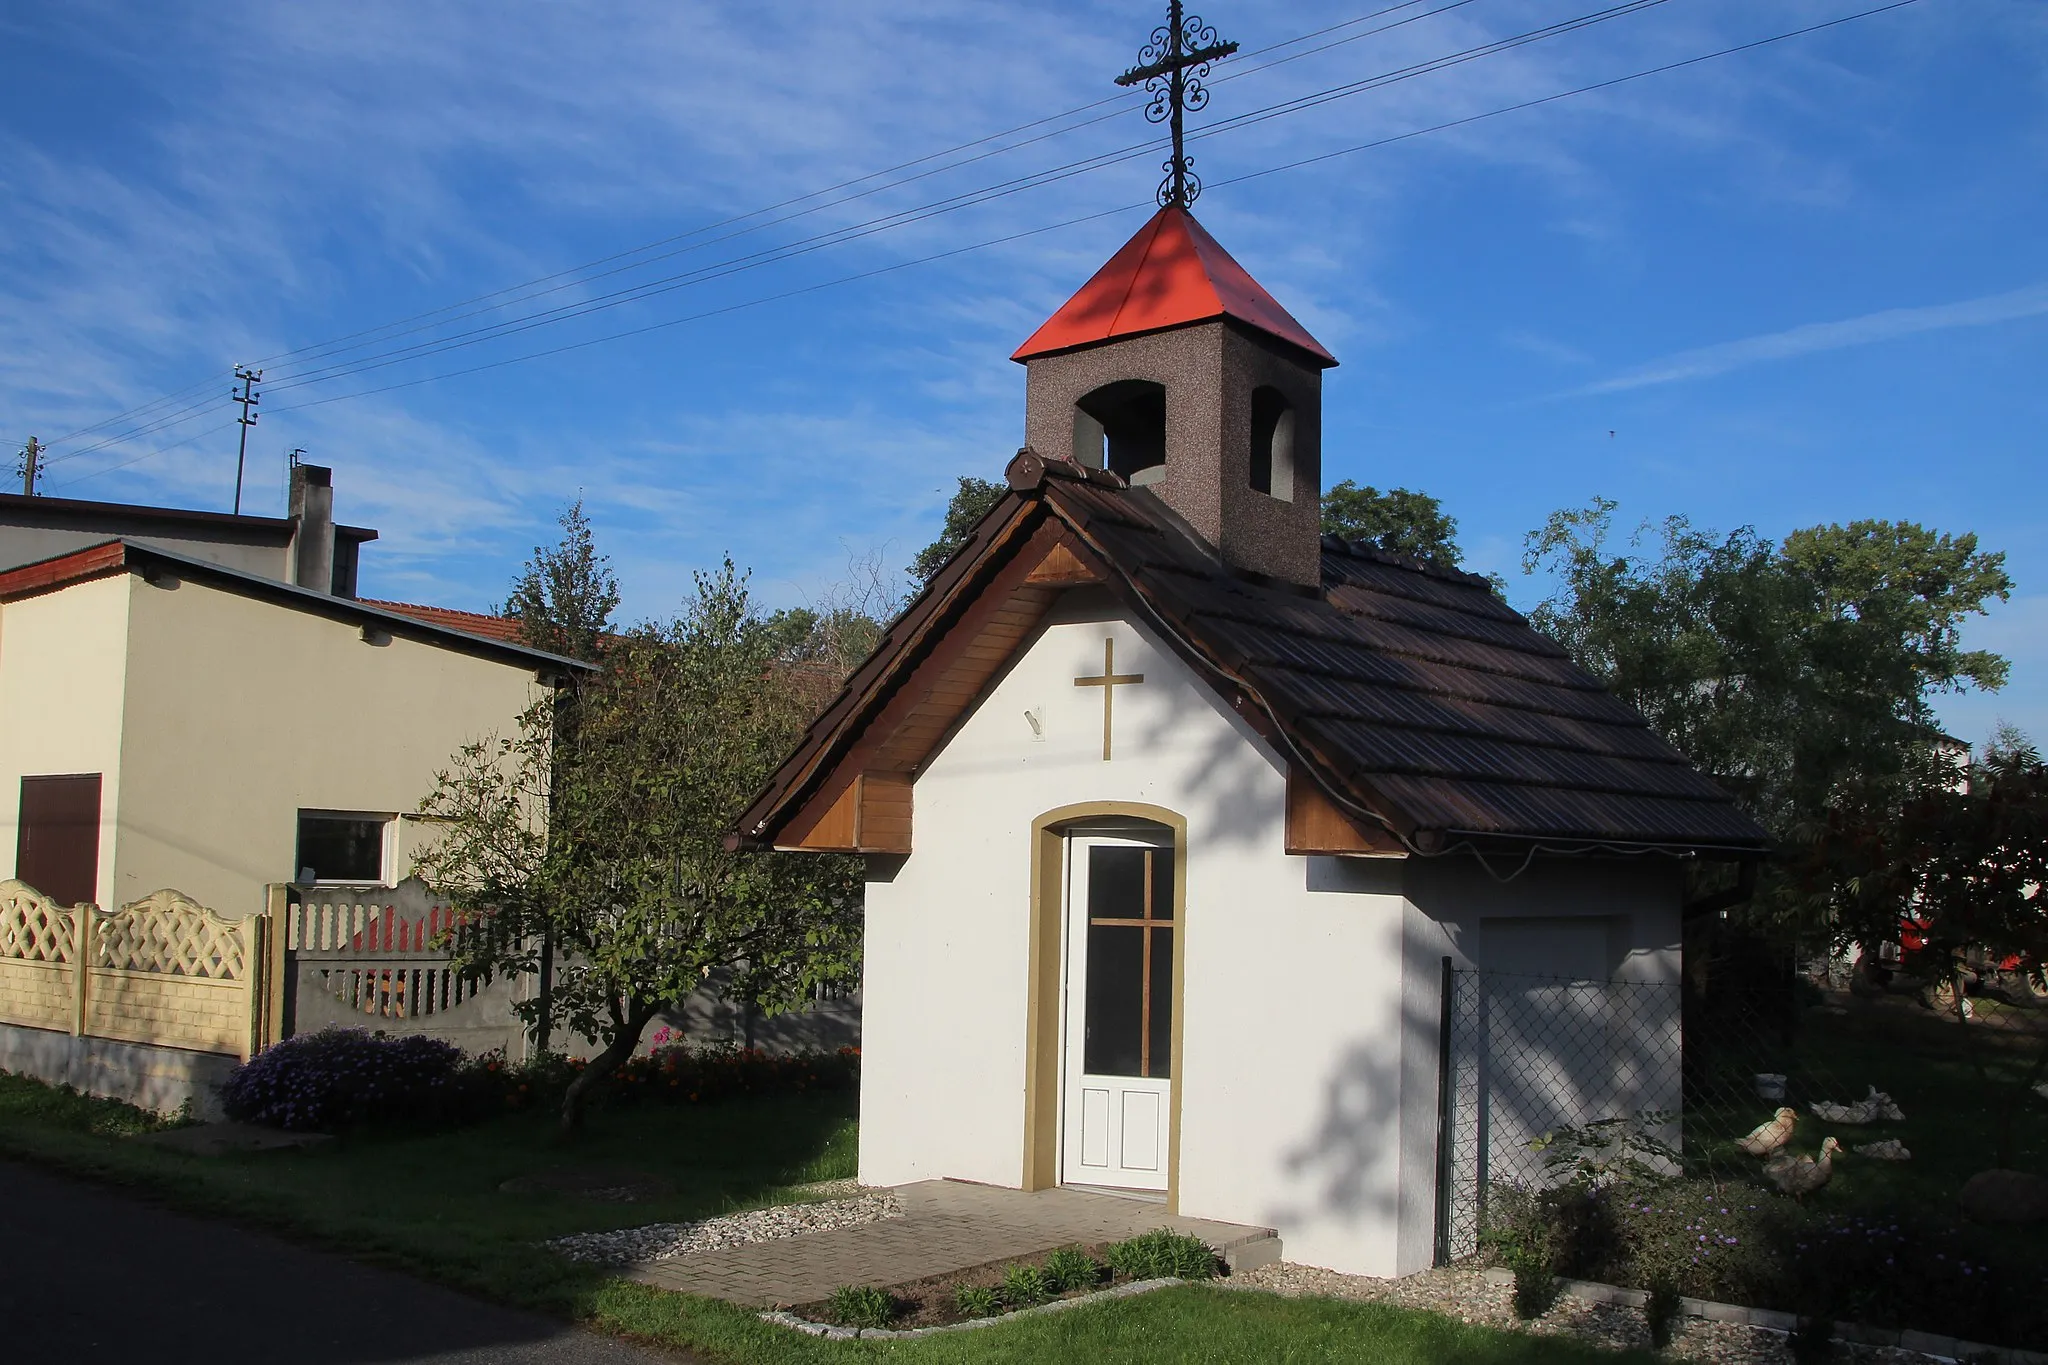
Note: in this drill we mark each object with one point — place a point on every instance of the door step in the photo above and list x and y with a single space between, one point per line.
1257 1248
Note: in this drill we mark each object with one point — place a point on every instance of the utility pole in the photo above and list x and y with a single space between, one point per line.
248 398
31 466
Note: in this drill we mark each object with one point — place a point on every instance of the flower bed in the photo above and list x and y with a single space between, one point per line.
1736 1243
999 1287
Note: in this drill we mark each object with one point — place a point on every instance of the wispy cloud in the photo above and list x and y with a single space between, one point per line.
1707 361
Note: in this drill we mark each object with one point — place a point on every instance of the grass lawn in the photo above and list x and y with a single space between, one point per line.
1916 1057
430 1204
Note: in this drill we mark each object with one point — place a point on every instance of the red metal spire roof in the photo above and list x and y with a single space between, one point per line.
1170 274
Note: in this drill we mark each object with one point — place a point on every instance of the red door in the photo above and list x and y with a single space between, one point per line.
57 849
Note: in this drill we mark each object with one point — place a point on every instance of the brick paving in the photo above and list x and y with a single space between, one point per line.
947 1225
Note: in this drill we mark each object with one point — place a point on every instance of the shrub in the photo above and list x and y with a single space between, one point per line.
1661 1315
1161 1253
1070 1268
678 1074
1737 1244
1524 1232
1025 1285
862 1305
976 1301
344 1078
1812 1341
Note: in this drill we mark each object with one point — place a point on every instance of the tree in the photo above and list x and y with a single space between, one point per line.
673 739
970 503
1399 521
564 598
1963 863
563 601
1790 673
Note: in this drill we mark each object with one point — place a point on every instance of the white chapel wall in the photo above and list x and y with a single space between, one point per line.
240 713
1289 1092
63 661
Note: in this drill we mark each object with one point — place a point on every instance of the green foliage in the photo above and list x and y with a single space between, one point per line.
1812 1341
976 1301
1070 1268
632 880
1600 1153
1796 675
1523 1233
862 1305
564 598
1661 1314
1963 857
1399 521
1025 1285
1161 1253
60 1107
970 503
1734 1244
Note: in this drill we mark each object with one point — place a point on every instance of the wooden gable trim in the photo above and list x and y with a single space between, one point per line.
1063 568
871 814
1316 826
864 803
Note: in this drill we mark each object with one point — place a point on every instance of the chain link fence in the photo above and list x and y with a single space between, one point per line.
1696 1071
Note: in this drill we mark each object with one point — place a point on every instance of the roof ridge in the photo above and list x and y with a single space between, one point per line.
1358 549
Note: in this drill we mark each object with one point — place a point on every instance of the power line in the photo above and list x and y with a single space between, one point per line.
334 345
1380 142
528 293
966 199
1124 208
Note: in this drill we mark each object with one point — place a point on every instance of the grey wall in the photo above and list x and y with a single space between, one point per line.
1600 918
23 541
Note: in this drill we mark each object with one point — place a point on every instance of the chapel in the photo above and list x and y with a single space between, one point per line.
1178 813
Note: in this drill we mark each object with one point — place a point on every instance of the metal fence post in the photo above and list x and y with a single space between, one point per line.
1443 1117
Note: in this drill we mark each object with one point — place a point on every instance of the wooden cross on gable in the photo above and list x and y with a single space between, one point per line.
1109 681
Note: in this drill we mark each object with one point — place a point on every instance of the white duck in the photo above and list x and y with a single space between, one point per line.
1800 1176
1769 1136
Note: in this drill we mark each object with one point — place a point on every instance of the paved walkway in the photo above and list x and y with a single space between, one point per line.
96 1278
947 1225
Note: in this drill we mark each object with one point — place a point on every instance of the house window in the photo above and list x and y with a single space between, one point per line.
57 840
342 846
1121 427
1272 444
1129 1024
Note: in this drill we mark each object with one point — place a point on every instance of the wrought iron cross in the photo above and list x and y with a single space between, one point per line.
1171 68
1109 681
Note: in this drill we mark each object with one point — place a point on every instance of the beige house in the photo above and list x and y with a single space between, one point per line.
199 701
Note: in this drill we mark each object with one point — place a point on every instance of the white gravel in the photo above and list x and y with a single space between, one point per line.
666 1241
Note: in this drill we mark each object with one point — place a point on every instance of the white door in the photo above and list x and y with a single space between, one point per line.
1119 1012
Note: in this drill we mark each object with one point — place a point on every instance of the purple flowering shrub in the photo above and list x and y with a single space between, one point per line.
346 1078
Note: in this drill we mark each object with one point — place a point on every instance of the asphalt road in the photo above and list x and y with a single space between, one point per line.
88 1275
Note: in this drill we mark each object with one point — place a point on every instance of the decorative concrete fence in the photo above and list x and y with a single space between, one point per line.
161 971
376 958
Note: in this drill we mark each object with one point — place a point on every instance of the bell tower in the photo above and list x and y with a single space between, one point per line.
1176 369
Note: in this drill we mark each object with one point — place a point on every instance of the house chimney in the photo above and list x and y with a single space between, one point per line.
312 511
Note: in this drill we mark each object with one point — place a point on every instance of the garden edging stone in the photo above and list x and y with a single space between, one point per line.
782 1318
1772 1320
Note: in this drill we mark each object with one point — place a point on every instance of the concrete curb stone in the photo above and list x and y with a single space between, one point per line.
831 1333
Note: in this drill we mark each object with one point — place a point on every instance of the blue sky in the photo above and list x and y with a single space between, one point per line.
1805 283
